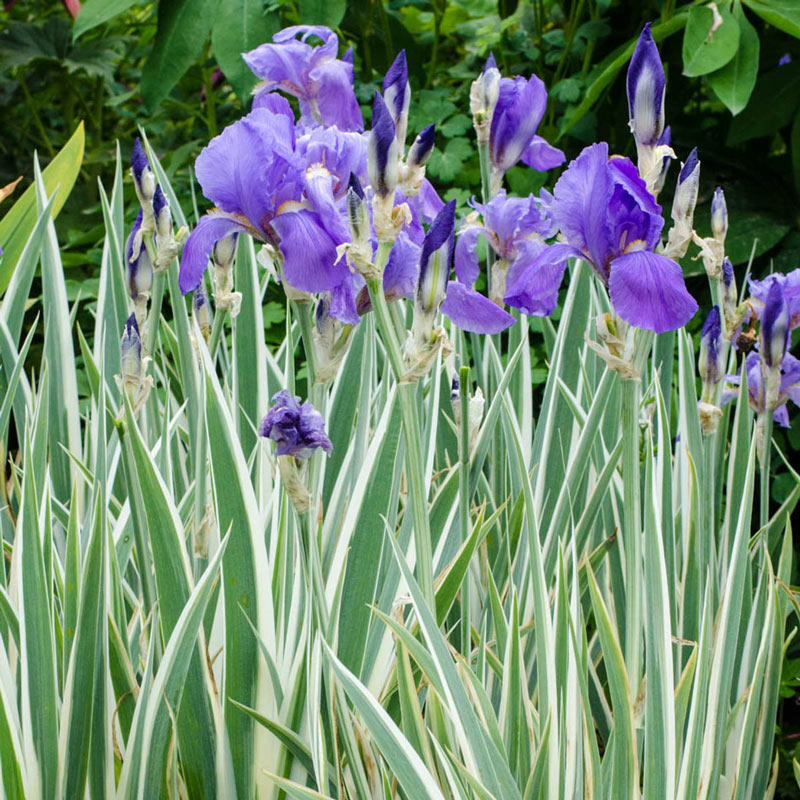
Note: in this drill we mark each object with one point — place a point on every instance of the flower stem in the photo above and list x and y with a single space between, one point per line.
216 333
483 158
303 313
632 533
413 438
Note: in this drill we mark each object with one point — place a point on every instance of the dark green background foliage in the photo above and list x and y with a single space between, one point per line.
174 67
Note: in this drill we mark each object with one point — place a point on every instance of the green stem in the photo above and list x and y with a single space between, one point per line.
632 532
413 439
463 504
29 102
486 184
216 332
211 104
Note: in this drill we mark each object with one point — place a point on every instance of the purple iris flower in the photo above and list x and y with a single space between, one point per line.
383 150
608 217
520 107
789 283
314 75
298 430
789 386
280 191
422 148
528 273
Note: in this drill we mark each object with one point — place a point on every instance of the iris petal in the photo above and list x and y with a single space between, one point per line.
648 291
473 312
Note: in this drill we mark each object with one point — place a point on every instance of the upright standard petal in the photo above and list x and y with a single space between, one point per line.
646 85
647 290
473 312
582 195
519 110
436 259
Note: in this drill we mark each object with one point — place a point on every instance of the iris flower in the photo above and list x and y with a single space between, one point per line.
520 107
298 430
789 386
607 217
280 191
314 75
790 283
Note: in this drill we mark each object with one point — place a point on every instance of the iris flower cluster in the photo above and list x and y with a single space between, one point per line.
337 209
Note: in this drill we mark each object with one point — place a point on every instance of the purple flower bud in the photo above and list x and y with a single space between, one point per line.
382 150
727 273
710 362
686 191
422 148
143 178
520 107
646 85
224 251
784 60
719 216
397 95
202 309
298 430
436 259
162 213
323 321
665 138
137 259
483 97
490 63
131 349
455 390
774 334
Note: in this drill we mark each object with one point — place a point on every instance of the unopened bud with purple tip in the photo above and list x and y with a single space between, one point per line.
774 334
144 182
223 254
683 205
132 379
357 212
436 260
435 263
711 367
166 241
665 140
773 342
710 362
382 152
422 148
483 96
397 95
202 310
719 216
139 269
728 297
646 85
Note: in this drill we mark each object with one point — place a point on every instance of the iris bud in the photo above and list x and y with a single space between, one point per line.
144 182
397 95
436 260
131 351
710 362
719 216
382 151
202 310
774 334
139 268
483 98
646 85
422 148
683 205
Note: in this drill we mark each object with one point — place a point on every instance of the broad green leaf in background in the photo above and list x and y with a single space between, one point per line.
16 226
183 27
322 12
608 69
783 14
775 99
96 12
241 25
710 40
734 83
